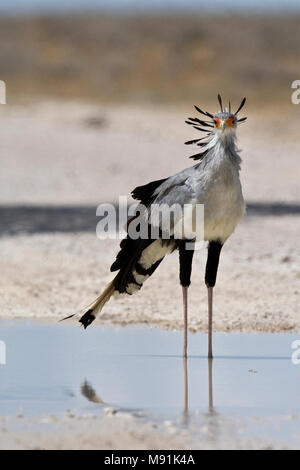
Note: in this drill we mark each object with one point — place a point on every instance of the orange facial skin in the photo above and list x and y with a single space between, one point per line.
217 122
229 122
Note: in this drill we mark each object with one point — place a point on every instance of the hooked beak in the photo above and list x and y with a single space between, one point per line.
223 125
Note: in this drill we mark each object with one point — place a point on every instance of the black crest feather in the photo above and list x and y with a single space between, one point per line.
206 126
241 105
199 156
190 142
220 101
206 113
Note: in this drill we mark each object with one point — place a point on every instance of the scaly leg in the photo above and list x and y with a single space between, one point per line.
213 256
210 312
185 319
185 265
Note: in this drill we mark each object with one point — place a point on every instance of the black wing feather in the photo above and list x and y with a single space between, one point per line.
145 193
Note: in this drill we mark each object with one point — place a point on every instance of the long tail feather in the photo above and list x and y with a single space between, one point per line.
95 307
98 305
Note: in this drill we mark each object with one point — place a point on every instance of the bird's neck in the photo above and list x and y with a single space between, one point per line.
224 148
225 140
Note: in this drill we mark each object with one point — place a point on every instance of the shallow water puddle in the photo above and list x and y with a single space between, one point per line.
54 367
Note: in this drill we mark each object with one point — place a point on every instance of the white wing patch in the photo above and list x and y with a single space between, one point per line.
154 252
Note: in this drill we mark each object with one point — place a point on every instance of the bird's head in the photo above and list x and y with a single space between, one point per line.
225 121
222 123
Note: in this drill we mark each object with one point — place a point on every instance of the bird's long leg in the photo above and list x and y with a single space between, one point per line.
185 318
210 312
213 256
185 261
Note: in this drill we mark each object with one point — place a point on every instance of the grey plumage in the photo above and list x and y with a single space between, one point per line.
208 182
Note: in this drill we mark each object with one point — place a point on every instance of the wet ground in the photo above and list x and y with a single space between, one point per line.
252 381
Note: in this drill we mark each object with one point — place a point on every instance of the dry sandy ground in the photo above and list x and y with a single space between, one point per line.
53 275
89 431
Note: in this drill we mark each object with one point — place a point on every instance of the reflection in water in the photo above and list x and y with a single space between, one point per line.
223 398
210 386
185 393
89 393
186 390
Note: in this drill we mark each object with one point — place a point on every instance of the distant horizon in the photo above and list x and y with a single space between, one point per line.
142 6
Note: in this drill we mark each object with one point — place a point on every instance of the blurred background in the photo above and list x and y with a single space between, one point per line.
97 96
98 91
149 51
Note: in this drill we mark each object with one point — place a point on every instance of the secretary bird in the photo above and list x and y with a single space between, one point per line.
214 182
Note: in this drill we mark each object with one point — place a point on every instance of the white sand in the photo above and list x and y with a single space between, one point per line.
124 430
53 275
